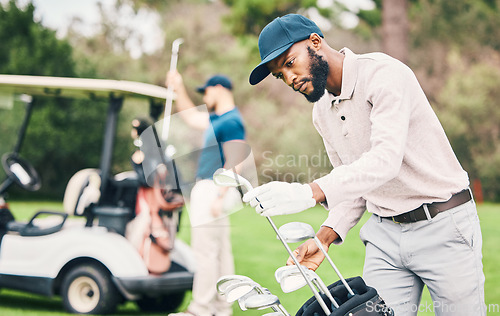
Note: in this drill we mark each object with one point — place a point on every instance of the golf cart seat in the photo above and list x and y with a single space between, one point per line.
36 228
113 209
83 189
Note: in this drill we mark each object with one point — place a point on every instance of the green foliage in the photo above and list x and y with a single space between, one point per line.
470 117
373 18
63 135
250 16
28 48
454 21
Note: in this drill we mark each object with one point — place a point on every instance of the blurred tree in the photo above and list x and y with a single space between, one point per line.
470 116
395 28
463 22
250 16
106 50
63 135
28 48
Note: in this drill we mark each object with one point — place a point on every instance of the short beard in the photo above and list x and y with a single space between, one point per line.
319 75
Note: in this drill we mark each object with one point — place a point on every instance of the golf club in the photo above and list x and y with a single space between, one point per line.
241 288
225 281
170 90
237 290
257 290
261 301
297 232
230 178
290 280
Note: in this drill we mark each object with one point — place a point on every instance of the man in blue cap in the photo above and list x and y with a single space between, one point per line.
224 139
391 157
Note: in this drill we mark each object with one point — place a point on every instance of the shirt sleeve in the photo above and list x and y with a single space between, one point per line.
345 216
389 93
231 130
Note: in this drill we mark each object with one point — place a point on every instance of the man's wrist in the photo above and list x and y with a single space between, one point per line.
327 235
318 194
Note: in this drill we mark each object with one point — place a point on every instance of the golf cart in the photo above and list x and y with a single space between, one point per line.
82 254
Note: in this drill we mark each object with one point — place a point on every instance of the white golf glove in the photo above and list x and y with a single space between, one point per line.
280 198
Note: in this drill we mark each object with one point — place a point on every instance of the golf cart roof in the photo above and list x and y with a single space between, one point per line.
79 87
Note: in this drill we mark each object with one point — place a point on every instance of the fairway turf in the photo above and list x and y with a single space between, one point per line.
258 253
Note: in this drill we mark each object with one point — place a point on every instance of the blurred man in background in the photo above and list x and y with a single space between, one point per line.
210 204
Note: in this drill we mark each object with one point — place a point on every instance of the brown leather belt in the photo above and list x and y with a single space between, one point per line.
435 208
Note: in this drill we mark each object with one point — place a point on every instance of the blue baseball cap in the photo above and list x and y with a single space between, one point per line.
277 37
216 80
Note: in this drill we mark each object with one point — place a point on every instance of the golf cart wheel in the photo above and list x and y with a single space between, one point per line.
88 289
166 303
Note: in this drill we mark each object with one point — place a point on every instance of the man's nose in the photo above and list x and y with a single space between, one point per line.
289 78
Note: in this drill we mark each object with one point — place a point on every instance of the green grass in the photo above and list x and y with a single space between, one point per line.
258 254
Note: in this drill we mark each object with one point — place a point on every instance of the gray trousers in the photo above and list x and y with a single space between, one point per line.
443 253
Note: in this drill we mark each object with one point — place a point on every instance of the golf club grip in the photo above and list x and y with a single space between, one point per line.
311 286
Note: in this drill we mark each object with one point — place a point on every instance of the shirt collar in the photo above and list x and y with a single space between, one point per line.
349 76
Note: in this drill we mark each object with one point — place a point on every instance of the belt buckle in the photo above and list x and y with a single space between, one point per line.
394 220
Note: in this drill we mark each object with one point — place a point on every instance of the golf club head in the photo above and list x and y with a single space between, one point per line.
261 301
229 178
238 290
290 278
296 232
241 301
225 281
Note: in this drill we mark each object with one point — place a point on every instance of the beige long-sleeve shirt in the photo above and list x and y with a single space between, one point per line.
389 151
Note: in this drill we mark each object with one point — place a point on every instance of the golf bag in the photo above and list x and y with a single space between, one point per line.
364 302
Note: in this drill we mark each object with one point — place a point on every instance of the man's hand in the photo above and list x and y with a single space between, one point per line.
280 198
308 254
174 80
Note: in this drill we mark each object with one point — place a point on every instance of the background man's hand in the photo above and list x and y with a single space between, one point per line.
174 80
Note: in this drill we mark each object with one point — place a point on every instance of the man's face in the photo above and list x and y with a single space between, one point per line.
209 97
301 68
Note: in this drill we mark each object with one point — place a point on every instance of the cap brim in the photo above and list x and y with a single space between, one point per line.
261 71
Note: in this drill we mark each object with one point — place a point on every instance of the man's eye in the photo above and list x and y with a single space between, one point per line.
290 63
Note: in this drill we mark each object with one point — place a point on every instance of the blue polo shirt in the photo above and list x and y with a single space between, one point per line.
226 127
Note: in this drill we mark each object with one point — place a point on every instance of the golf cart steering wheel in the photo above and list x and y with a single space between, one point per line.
21 172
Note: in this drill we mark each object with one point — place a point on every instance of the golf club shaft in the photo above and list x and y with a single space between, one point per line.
170 89
282 310
320 246
311 286
324 290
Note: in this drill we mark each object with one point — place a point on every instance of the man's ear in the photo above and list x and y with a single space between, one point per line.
315 41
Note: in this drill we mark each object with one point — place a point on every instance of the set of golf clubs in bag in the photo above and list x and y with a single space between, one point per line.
351 297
